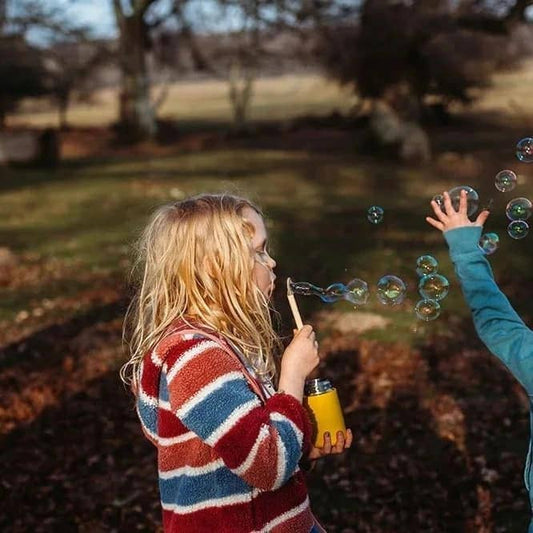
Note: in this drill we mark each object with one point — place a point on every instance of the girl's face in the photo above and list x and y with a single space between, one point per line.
263 264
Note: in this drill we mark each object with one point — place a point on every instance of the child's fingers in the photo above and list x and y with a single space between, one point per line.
349 439
439 213
326 449
482 218
448 203
463 202
339 445
435 223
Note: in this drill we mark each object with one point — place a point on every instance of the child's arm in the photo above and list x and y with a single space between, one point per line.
261 443
496 322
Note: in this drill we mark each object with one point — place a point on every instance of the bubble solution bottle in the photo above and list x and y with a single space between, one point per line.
323 404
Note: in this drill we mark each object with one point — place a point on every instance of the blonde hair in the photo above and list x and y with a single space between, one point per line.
195 262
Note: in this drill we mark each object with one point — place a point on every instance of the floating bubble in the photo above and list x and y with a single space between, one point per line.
427 310
357 292
375 214
505 180
433 287
472 198
524 150
518 229
426 264
489 243
518 209
334 293
391 290
439 200
305 289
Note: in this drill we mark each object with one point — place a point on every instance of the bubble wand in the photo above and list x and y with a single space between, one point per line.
294 306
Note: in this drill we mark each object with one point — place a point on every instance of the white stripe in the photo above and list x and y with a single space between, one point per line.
170 441
147 399
215 502
191 471
188 355
245 465
156 359
281 467
278 417
204 392
232 419
295 511
165 405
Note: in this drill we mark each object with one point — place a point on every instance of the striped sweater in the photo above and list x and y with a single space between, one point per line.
227 456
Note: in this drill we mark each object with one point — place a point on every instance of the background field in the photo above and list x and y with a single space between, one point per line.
441 428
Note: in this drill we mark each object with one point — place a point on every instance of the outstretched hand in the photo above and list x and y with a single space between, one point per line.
450 218
343 443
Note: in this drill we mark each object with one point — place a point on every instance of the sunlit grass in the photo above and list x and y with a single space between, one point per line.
278 98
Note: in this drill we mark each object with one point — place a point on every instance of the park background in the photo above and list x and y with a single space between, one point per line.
316 110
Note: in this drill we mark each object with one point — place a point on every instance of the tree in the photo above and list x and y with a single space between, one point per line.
22 73
409 51
137 115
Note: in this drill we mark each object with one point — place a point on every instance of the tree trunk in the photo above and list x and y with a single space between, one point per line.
137 116
63 102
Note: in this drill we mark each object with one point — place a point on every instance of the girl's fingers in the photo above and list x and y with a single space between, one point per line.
327 443
439 213
448 203
482 218
349 439
463 203
435 223
339 445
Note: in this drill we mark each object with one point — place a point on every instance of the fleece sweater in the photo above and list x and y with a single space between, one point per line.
227 456
497 324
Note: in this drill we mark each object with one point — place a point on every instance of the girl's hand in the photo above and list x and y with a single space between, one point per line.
454 219
341 445
301 355
298 361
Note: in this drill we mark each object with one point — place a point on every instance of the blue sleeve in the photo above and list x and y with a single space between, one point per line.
497 323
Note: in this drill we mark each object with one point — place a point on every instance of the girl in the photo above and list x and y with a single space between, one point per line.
202 366
499 327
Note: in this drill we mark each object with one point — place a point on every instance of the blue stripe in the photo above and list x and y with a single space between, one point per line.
189 490
211 412
292 446
163 387
148 415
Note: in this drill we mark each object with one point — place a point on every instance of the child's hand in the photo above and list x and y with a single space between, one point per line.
301 355
298 361
341 445
454 219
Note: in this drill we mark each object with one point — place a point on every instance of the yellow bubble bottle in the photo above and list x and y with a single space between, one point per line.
323 404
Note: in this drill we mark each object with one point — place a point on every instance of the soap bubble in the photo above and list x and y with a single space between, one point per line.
472 198
439 200
426 264
433 287
489 243
427 309
357 292
305 289
391 290
518 209
505 180
334 293
518 229
524 150
375 214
